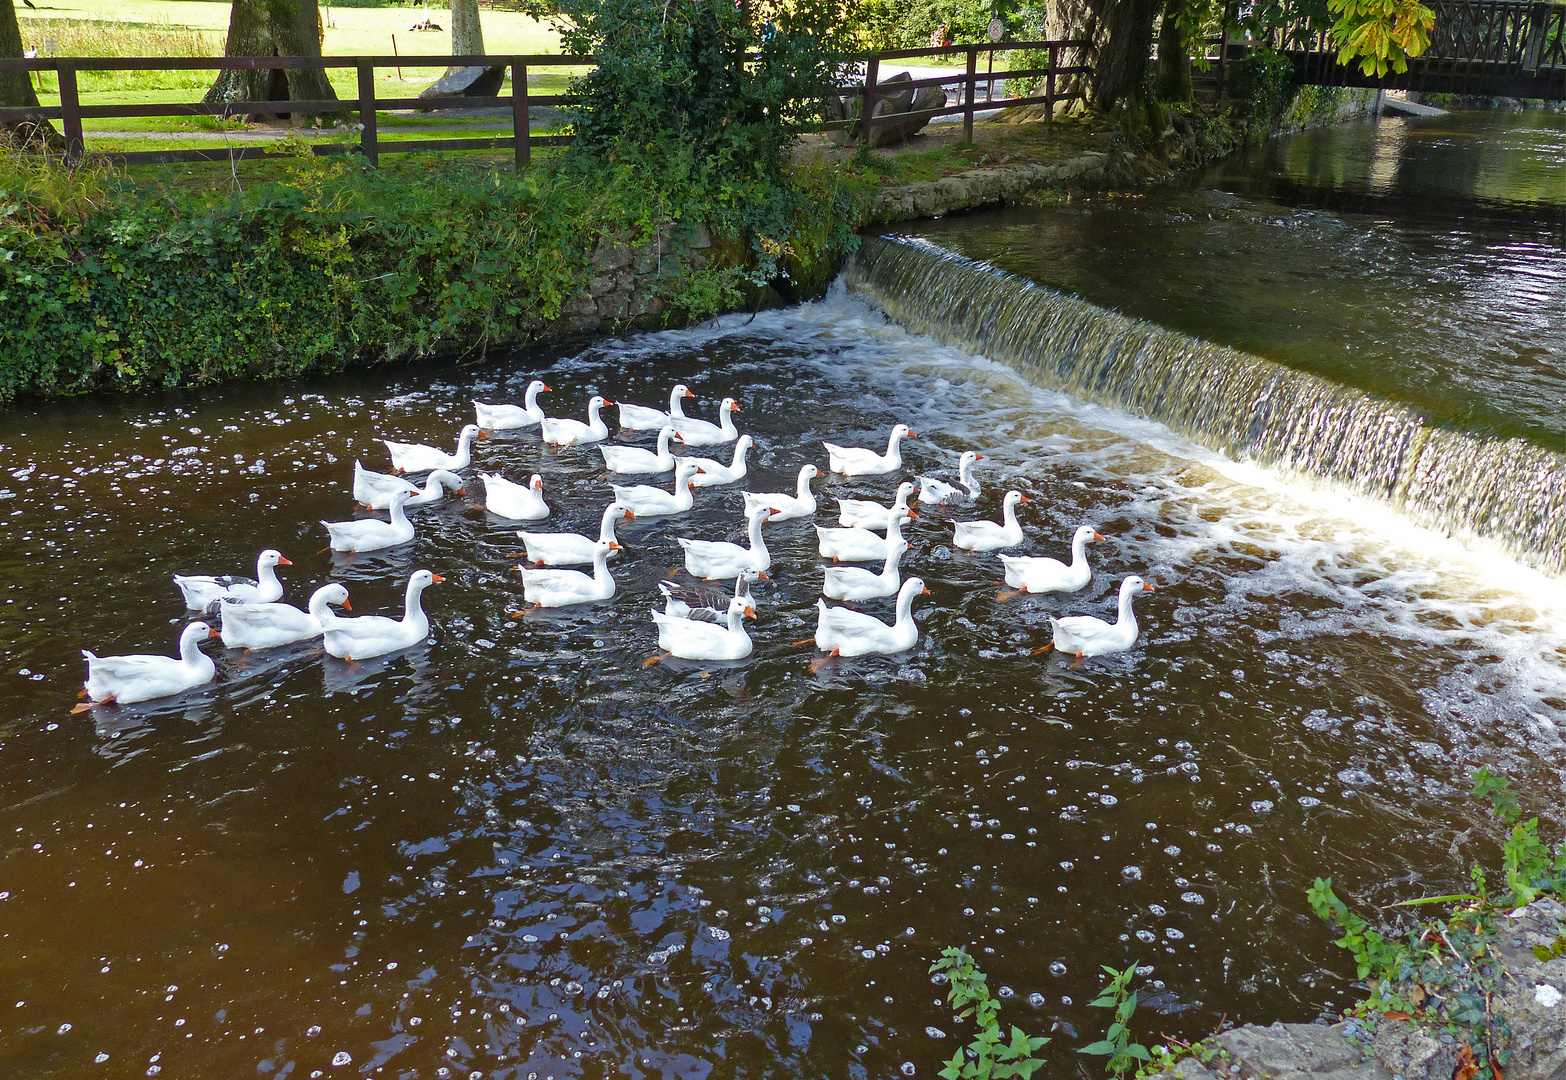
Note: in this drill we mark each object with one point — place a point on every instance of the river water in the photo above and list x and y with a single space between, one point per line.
517 852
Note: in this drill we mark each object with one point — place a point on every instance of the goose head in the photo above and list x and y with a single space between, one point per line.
597 403
537 387
537 483
194 634
447 479
423 579
901 432
470 432
273 557
729 405
681 391
1133 585
1086 534
683 473
809 472
333 593
1013 498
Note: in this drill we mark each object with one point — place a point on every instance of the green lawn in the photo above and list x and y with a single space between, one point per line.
350 31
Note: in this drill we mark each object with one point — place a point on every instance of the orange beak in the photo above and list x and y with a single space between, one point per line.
978 457
437 578
284 562
913 434
615 545
608 402
211 633
483 434
630 513
518 569
462 491
1025 499
689 394
1098 536
912 514
548 389
347 604
1149 588
538 485
750 612
926 591
734 407
763 576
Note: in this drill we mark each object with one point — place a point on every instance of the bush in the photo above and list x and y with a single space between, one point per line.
1264 83
108 286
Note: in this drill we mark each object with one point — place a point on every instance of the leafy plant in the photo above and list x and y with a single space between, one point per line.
1443 974
989 1054
1264 81
1381 35
1123 1055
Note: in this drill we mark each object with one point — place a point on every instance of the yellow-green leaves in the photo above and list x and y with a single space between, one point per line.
1381 35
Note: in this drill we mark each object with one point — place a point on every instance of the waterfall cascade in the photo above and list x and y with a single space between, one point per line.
1506 492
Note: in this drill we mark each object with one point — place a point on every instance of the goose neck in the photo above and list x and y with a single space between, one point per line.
1009 513
266 577
1127 616
399 516
905 599
413 603
677 402
758 542
530 400
606 527
803 486
1079 552
600 565
740 450
190 644
726 423
320 608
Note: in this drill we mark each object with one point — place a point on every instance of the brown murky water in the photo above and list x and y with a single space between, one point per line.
513 852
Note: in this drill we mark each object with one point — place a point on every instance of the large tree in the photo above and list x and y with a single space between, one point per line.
1122 60
467 36
16 87
273 28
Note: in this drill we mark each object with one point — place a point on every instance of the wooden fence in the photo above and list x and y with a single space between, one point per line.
72 111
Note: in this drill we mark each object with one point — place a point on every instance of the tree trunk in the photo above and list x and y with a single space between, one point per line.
249 34
467 36
296 25
16 89
1122 62
273 28
1174 64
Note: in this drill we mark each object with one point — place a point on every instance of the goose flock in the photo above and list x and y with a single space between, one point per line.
701 620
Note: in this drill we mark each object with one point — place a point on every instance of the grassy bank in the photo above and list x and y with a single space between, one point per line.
109 281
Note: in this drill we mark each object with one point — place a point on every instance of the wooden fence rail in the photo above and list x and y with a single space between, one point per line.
71 111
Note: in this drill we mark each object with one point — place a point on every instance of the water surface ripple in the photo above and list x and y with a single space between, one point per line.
514 852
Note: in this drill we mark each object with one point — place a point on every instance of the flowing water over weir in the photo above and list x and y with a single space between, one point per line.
1503 492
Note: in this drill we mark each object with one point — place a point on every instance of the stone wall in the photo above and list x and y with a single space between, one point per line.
1533 1002
629 286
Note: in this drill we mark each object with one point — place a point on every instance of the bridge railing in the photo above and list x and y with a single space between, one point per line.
1502 48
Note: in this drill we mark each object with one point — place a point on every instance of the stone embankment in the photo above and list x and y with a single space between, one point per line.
625 292
1533 1004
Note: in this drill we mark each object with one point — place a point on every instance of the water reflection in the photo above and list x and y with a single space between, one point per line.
1421 260
516 851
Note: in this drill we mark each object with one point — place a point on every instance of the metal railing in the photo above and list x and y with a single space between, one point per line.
71 111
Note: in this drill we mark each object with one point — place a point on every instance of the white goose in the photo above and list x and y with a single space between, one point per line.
694 432
267 626
373 534
786 507
853 583
868 514
642 418
1085 635
507 417
988 536
375 635
845 632
509 500
715 472
859 545
572 549
696 639
416 457
718 560
934 492
692 601
204 592
561 431
633 459
852 461
1028 574
129 679
562 588
647 501
374 490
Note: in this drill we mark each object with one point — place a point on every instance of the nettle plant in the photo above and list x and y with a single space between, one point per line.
1444 974
990 1054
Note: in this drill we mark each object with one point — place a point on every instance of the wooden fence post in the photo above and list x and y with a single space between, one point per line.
1049 83
521 126
71 114
968 93
872 73
369 145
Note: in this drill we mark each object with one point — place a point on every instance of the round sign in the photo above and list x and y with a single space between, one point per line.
997 28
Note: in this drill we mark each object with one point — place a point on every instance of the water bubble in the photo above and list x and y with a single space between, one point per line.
341 1058
907 1068
1172 934
1156 909
62 1029
840 919
100 1059
1058 968
718 933
1131 873
868 954
1036 999
1171 851
1146 936
1193 898
935 1032
313 1030
1007 992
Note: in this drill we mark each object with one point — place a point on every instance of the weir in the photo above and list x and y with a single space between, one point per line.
1504 492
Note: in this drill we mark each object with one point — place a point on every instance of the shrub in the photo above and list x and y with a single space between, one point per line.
1264 82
